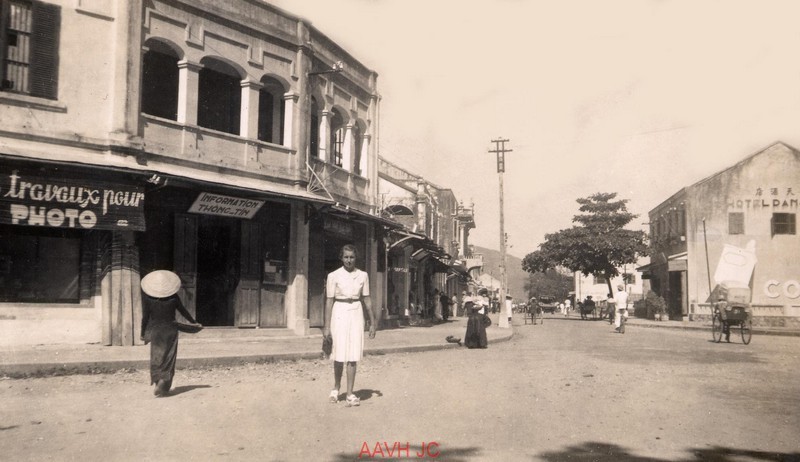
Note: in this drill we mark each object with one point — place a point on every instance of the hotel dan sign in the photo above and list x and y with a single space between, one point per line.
61 202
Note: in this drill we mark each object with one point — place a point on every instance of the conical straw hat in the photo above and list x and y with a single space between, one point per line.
161 284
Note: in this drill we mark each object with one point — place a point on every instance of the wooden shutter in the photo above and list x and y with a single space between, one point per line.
185 259
44 50
247 297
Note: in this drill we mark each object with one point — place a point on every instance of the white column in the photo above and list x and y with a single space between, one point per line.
188 87
248 122
347 148
363 159
325 136
290 104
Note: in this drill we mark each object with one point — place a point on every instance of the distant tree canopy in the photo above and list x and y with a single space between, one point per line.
550 282
598 245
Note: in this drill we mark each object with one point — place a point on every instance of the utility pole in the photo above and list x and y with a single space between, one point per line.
500 150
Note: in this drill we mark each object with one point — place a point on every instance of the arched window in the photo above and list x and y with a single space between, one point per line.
160 81
337 137
271 111
313 130
219 97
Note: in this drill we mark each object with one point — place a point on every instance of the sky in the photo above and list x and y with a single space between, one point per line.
640 98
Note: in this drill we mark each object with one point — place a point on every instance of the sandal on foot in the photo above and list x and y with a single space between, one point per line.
334 396
352 400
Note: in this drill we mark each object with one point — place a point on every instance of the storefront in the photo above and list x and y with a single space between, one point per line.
59 226
231 250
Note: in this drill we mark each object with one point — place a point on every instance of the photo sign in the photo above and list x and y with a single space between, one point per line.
79 203
225 206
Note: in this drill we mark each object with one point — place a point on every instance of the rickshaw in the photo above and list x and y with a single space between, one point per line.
534 312
732 309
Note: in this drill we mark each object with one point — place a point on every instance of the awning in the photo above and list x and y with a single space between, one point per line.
355 214
398 209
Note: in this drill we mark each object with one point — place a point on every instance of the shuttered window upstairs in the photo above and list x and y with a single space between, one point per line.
29 47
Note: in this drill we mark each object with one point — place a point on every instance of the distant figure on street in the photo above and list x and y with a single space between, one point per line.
437 306
567 307
588 307
621 302
444 301
475 336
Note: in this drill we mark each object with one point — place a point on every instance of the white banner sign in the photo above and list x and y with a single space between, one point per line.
226 206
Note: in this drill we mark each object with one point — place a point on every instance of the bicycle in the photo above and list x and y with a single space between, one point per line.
623 313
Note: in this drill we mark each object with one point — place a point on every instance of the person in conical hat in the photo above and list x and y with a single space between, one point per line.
160 302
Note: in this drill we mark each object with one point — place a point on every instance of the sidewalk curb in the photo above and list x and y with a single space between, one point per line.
24 370
756 330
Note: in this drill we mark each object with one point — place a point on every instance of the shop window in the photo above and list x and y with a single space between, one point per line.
160 81
39 265
29 48
271 112
736 223
220 97
784 223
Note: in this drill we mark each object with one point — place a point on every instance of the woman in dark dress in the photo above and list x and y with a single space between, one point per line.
160 302
476 329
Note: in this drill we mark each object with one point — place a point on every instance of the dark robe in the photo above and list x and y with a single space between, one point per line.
160 329
476 329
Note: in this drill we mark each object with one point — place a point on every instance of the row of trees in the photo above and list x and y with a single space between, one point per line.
597 244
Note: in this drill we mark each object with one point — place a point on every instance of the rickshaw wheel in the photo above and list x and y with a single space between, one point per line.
716 328
747 331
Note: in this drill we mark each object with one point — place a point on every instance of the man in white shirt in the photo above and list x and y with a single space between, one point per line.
621 302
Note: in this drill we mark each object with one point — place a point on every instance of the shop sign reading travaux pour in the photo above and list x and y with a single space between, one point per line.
79 203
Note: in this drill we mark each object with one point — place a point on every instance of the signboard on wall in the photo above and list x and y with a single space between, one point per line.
60 202
225 206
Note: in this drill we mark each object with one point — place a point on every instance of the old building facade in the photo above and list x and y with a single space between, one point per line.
231 142
430 254
740 223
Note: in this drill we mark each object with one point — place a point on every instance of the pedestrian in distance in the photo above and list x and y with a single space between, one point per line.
567 307
621 302
444 300
475 337
347 296
160 302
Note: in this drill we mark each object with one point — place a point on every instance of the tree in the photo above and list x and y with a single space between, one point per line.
598 245
550 282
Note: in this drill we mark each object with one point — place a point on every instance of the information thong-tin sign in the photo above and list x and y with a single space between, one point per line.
225 206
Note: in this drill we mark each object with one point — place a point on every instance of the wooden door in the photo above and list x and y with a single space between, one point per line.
185 259
247 296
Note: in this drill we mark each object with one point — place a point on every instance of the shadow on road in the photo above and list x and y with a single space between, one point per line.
605 452
185 388
364 395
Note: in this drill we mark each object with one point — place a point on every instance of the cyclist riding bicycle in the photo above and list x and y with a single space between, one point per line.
621 302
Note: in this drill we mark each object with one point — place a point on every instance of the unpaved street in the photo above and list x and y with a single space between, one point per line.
567 390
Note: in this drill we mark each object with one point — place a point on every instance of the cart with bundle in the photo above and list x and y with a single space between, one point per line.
731 310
